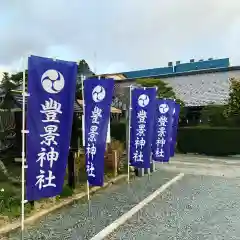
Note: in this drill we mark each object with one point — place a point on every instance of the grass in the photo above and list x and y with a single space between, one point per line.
10 194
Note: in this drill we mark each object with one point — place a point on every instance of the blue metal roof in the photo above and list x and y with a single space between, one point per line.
174 74
148 72
181 68
201 65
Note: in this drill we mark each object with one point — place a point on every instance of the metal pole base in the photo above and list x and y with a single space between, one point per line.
153 167
147 171
140 172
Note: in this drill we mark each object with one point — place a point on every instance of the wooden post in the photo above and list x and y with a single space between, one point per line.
115 157
71 172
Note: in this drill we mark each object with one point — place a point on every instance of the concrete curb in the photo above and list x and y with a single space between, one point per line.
14 226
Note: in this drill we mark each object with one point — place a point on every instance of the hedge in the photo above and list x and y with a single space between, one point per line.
214 141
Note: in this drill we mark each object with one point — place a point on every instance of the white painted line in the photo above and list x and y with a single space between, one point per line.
118 222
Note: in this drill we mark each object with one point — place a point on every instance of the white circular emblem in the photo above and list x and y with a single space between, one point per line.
163 108
98 93
52 81
143 100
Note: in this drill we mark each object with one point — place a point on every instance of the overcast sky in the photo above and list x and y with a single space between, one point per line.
119 35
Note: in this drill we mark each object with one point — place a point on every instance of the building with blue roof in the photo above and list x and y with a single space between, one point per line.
197 83
180 68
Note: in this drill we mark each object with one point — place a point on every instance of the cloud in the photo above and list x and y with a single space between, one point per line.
120 35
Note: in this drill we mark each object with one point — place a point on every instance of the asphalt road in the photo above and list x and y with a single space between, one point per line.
204 204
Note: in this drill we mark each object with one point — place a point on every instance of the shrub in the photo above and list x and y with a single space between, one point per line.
66 192
10 203
215 141
9 199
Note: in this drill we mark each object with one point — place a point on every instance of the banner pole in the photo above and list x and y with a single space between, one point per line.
83 133
152 160
23 148
162 161
129 132
172 125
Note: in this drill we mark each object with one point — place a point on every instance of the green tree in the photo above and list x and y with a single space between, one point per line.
163 90
7 84
17 78
83 71
213 115
232 111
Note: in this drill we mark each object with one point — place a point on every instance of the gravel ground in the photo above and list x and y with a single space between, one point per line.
74 221
195 208
204 204
205 159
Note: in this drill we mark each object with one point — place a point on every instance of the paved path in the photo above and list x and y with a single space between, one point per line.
204 204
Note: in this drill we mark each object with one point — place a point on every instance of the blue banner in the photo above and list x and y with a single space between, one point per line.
141 126
163 128
98 98
176 112
51 85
